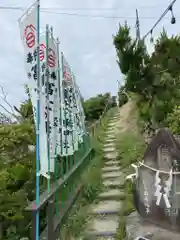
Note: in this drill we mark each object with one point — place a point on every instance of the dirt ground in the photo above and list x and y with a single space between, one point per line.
127 120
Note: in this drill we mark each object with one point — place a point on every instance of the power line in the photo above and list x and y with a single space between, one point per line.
49 11
160 18
95 16
46 10
80 9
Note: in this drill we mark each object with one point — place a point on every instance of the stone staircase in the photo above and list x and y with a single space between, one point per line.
105 213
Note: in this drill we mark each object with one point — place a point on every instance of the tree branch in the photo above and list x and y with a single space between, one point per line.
4 98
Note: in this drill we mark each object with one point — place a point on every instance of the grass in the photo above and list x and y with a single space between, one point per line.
92 186
131 148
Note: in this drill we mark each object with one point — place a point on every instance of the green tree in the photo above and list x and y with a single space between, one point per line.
94 106
154 78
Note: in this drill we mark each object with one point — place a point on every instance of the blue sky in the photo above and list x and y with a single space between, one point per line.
86 41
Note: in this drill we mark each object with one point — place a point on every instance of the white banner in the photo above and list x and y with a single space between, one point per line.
81 115
50 97
67 115
28 31
54 112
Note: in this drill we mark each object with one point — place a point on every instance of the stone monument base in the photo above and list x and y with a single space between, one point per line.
136 227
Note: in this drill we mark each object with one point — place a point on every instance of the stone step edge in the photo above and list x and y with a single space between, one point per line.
111 170
90 234
112 162
115 197
115 186
113 178
104 213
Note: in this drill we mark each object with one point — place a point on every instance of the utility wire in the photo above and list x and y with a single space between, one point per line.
81 9
95 16
46 10
161 17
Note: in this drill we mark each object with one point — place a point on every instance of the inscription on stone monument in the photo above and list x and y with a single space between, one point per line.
157 183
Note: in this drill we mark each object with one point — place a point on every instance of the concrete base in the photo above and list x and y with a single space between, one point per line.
135 227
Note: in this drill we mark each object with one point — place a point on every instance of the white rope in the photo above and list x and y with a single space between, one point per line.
155 170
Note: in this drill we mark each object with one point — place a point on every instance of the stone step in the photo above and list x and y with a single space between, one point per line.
111 175
111 163
111 155
105 226
110 140
114 183
111 144
110 168
111 194
112 132
112 123
93 237
109 149
106 207
115 118
111 126
110 136
111 129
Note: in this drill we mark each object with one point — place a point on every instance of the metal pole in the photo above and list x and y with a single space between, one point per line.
137 26
118 93
38 121
47 105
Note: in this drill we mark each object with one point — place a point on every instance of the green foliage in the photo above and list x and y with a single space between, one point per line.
122 96
17 169
154 78
173 120
94 106
131 147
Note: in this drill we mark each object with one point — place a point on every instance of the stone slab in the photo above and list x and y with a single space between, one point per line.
113 174
106 207
111 129
111 194
105 224
110 140
111 168
116 182
112 163
112 132
110 136
112 123
136 227
111 155
109 149
111 144
111 126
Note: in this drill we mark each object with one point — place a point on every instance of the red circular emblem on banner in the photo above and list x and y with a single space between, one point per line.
29 34
51 58
41 51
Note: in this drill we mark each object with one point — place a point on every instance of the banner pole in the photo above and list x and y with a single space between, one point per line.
47 105
38 122
60 93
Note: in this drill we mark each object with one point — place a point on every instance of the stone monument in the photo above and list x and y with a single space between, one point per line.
156 190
